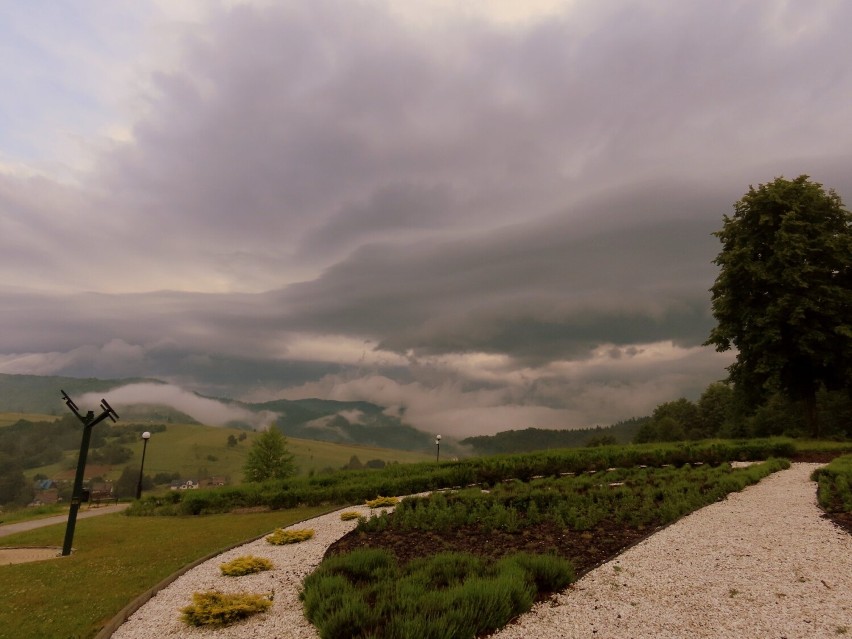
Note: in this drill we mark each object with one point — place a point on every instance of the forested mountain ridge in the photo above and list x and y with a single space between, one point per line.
353 422
531 439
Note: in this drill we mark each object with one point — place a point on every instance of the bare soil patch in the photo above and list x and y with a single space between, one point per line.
27 554
586 550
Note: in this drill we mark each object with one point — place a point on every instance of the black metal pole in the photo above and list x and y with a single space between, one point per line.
77 491
141 467
89 421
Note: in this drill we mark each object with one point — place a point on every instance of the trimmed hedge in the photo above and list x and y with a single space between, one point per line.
835 485
366 594
356 486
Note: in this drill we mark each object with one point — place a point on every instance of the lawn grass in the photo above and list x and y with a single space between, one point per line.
116 558
186 448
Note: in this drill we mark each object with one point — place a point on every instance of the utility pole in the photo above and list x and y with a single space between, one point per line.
89 421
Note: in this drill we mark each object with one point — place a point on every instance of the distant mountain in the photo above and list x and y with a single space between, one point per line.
346 422
355 422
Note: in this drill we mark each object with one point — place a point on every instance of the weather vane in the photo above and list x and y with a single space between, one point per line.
89 421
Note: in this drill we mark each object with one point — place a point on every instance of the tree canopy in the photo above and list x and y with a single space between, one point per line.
783 296
269 458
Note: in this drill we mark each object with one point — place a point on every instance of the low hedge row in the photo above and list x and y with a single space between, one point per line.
633 497
354 486
835 485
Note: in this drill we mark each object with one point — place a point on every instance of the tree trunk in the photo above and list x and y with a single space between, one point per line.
811 418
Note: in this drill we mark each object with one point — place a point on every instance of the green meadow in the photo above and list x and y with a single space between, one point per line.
193 450
10 418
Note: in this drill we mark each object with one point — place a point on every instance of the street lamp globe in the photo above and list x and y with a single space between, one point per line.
145 437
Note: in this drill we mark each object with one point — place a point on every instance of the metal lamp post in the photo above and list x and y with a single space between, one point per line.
145 437
437 448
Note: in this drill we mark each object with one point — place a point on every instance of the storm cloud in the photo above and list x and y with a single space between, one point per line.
483 218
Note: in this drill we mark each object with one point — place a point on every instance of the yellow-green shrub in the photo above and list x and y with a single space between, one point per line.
213 608
349 515
245 566
380 502
280 537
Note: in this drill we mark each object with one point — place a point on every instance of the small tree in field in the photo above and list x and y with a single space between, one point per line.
783 297
269 458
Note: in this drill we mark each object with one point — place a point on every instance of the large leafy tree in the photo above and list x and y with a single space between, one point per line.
783 297
269 458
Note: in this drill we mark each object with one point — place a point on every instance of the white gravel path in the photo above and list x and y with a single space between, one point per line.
762 563
160 617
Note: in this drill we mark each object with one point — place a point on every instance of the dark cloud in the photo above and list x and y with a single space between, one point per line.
450 215
625 271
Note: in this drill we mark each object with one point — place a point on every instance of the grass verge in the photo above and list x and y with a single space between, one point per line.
30 513
116 559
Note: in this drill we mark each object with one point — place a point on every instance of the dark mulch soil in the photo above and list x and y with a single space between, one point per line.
586 550
844 520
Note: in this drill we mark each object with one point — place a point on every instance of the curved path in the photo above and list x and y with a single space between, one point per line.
761 563
32 524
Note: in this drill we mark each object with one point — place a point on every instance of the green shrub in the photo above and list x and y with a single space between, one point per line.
639 497
349 515
366 594
835 485
280 537
245 566
381 502
549 572
213 608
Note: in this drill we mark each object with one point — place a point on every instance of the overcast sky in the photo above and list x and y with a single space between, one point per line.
492 214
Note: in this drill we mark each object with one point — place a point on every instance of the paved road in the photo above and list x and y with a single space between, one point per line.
11 529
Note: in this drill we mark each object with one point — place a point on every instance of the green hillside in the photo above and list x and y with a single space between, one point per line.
195 450
190 448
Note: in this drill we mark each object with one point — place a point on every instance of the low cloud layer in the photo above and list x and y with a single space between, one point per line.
203 409
491 217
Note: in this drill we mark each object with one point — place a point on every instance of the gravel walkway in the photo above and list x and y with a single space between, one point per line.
32 524
762 563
